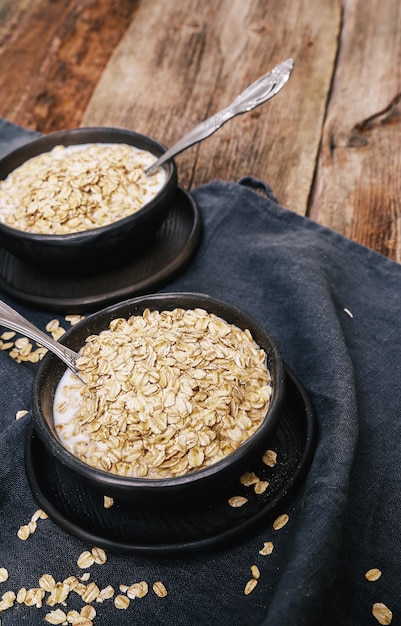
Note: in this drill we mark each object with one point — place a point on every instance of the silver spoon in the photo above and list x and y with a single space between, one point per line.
11 319
261 90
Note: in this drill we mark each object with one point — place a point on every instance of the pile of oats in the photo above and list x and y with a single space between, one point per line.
165 393
77 188
22 350
50 593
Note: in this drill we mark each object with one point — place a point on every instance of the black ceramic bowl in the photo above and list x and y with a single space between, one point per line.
191 485
101 248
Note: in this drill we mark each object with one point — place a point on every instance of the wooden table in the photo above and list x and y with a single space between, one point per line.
329 144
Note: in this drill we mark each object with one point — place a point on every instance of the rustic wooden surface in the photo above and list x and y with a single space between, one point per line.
358 183
328 144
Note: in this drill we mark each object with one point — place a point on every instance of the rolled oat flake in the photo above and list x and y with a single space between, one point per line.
382 613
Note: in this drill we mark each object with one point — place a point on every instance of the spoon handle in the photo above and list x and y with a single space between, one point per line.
258 92
11 319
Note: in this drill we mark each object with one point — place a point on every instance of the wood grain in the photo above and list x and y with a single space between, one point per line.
180 62
357 187
52 54
329 144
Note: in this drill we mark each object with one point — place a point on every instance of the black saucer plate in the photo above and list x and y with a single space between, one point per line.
168 254
127 528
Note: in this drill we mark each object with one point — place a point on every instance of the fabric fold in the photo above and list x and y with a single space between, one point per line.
333 307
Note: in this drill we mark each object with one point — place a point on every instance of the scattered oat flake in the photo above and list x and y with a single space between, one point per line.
268 547
261 487
108 502
270 458
99 555
71 581
86 559
32 526
85 577
74 319
20 414
373 574
37 515
382 613
23 533
52 325
7 345
34 597
255 571
159 589
58 594
348 312
56 617
59 332
88 611
91 592
21 343
237 501
21 595
9 596
79 588
281 521
248 479
121 602
105 594
138 590
47 582
73 617
7 600
3 574
80 621
9 334
250 586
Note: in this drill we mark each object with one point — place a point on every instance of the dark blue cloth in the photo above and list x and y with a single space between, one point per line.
334 308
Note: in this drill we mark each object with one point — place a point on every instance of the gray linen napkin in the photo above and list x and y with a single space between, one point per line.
334 308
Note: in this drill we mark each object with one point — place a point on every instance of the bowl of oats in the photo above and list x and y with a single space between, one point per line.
79 201
178 393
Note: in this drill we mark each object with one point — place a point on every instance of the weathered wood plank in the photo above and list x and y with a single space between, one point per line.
357 188
52 55
182 61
